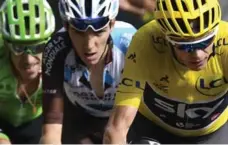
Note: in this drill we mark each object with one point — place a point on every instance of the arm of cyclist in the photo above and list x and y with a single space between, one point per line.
126 5
137 7
128 95
51 134
52 127
52 79
119 124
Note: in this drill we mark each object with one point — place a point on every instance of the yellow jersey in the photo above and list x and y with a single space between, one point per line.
182 101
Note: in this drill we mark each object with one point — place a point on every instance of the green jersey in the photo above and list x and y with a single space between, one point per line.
12 109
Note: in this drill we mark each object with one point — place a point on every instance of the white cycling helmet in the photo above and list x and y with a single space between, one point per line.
88 13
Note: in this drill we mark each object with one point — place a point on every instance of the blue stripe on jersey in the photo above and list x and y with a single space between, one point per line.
122 35
108 78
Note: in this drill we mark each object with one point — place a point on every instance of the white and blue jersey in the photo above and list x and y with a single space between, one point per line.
65 73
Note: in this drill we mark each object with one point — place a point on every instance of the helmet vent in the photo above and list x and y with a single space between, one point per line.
101 2
172 24
37 14
17 30
75 4
181 25
157 5
67 8
206 19
37 29
203 2
75 12
88 8
195 4
164 5
101 12
27 25
174 4
213 15
15 12
184 6
164 26
195 24
25 7
7 23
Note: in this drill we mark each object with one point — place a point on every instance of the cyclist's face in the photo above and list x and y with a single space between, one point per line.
90 45
195 60
28 66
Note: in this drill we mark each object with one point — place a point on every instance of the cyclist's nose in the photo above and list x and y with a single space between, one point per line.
27 58
198 53
89 42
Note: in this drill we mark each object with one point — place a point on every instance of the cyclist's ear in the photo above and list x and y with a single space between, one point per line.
112 23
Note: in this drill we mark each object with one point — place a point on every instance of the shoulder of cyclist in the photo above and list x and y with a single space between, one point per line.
52 74
122 35
52 52
221 45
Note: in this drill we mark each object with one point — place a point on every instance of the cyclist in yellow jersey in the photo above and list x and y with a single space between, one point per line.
174 84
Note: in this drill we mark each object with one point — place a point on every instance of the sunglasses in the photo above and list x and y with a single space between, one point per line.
194 45
19 49
96 24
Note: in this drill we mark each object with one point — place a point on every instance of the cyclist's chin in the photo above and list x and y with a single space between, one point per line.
30 73
196 67
90 61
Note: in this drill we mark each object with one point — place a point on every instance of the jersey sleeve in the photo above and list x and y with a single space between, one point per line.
130 89
52 79
122 35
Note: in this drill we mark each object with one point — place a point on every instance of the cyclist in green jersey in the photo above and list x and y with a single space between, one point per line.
26 25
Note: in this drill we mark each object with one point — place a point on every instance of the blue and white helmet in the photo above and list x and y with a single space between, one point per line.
84 9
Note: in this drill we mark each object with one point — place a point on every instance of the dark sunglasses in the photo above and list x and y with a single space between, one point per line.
195 45
19 49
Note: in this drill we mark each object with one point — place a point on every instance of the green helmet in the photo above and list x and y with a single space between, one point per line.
26 20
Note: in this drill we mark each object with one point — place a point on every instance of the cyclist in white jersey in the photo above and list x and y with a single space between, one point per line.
82 65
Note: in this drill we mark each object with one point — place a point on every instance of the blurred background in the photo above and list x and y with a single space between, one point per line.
132 18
